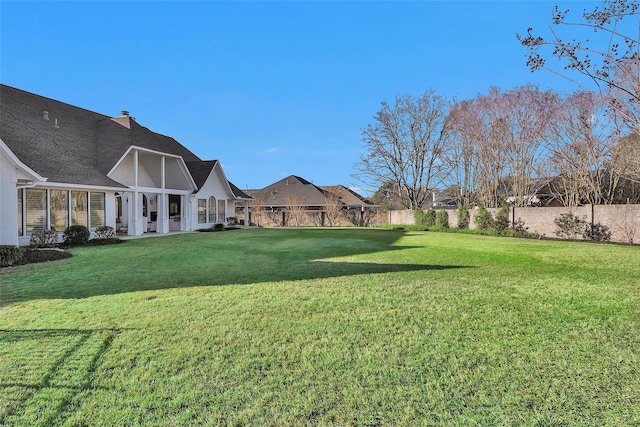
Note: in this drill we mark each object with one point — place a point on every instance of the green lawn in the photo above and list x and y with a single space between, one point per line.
324 327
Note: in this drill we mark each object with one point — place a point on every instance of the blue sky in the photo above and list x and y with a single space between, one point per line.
268 88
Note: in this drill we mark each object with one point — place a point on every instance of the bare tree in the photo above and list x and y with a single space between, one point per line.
605 60
405 146
332 208
497 143
579 150
295 210
258 214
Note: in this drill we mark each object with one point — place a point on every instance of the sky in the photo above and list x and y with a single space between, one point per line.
270 89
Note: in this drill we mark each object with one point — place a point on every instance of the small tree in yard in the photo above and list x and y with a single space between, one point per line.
332 208
483 219
295 210
596 232
442 219
463 217
424 219
501 222
569 226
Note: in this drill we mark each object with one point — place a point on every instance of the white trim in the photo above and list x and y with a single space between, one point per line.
21 165
48 184
136 149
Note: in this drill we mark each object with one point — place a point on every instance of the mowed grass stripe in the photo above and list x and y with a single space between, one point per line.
323 326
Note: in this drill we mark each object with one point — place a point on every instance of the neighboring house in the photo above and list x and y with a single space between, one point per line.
296 201
62 165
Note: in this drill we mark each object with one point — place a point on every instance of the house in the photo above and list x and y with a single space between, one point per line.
296 201
62 165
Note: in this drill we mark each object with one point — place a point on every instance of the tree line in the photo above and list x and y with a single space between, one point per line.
521 145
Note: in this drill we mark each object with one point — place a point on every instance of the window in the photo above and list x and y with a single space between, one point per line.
212 209
79 208
20 217
202 211
59 209
36 209
174 206
221 210
96 203
144 205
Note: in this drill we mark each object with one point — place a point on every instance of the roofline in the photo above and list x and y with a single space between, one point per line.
36 176
183 165
81 186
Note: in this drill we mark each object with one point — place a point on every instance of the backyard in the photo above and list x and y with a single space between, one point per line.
323 327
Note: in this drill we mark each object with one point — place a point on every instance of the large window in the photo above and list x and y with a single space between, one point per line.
221 210
96 205
40 209
79 208
20 217
212 209
59 209
202 211
36 209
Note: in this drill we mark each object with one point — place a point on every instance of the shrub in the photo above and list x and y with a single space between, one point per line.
103 233
9 255
43 239
463 217
442 219
596 232
424 219
519 227
76 235
568 226
501 222
32 255
483 219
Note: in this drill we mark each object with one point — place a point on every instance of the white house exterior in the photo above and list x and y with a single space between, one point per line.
61 165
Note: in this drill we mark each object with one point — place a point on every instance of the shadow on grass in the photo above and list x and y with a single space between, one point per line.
46 370
218 259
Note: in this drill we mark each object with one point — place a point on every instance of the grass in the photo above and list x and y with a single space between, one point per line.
324 327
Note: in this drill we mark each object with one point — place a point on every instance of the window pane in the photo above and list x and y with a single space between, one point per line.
212 209
221 210
79 213
59 211
202 211
36 209
20 218
97 209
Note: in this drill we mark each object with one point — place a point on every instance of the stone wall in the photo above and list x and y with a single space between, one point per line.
623 220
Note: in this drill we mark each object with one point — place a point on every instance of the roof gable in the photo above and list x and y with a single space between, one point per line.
71 145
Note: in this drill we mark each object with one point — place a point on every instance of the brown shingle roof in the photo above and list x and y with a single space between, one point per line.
71 145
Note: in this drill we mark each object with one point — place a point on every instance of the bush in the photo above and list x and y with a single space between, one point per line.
519 227
442 219
501 222
424 219
76 235
33 255
568 226
103 233
463 217
9 255
596 232
483 219
43 239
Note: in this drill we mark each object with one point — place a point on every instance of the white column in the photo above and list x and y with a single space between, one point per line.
162 225
247 222
135 220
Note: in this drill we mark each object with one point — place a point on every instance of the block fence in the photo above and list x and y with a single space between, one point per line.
623 220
